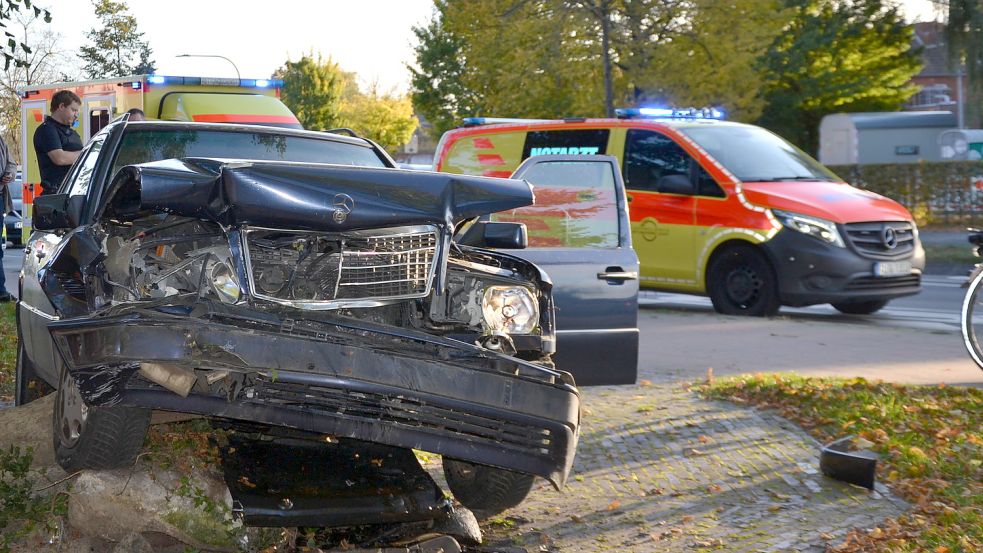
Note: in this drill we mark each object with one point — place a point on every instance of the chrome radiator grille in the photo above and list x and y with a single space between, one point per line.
888 239
330 270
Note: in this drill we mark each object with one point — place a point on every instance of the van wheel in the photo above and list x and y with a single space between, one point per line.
28 386
486 491
860 307
95 437
740 281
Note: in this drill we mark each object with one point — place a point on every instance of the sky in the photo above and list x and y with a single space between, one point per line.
373 38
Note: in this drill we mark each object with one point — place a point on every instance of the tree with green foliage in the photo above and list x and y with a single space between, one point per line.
437 78
836 56
312 89
712 59
116 48
9 9
386 119
964 33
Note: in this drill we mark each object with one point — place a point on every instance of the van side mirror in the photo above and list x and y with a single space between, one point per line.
56 211
674 184
496 234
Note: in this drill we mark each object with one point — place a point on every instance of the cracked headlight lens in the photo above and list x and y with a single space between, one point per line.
224 283
510 309
815 227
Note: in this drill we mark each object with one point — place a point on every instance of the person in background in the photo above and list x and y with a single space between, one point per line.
57 145
9 169
136 114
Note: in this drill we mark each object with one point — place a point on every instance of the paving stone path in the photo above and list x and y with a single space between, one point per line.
659 469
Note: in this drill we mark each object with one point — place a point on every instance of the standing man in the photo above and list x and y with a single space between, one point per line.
9 169
57 145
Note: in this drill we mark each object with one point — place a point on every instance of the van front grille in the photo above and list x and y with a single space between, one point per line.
882 239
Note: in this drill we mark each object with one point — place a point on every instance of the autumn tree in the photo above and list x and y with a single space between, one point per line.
836 56
437 78
116 47
312 88
324 96
39 63
385 118
9 10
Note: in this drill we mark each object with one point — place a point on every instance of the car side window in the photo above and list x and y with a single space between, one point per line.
650 156
576 205
80 179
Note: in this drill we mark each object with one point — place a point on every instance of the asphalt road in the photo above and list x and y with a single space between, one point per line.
914 339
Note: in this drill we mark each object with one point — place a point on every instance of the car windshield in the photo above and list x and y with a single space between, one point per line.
143 145
753 154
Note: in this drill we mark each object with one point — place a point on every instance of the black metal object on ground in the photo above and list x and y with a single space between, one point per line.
839 460
302 482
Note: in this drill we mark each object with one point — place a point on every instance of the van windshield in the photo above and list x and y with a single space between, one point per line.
143 145
753 154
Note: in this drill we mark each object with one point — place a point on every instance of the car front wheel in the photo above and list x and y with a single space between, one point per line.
740 281
486 491
860 307
95 437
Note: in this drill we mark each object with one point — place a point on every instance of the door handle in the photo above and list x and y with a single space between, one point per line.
618 275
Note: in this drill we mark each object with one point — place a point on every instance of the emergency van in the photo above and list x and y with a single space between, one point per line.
167 98
718 208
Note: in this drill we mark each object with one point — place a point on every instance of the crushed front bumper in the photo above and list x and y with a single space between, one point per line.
342 378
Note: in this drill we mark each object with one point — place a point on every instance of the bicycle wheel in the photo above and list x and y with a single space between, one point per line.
972 319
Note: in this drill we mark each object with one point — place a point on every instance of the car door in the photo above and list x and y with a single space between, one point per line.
663 219
579 234
36 307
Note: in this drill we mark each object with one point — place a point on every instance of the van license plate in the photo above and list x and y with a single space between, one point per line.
892 268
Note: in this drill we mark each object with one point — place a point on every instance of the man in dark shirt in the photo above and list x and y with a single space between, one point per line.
56 144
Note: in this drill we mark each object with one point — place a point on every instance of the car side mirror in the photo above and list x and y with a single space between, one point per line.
674 184
56 211
496 234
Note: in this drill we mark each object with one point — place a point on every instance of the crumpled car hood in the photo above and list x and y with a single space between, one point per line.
303 196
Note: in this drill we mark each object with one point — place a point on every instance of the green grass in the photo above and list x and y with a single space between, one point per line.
8 351
929 439
950 254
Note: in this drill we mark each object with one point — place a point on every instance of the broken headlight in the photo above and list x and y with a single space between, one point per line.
510 309
223 282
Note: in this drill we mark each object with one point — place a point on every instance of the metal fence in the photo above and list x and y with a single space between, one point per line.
942 193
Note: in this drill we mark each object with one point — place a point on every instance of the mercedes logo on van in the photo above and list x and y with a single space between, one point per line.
343 206
889 237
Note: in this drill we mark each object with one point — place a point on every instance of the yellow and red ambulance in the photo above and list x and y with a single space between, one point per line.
722 209
168 98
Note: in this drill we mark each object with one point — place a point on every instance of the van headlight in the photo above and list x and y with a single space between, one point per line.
509 309
818 228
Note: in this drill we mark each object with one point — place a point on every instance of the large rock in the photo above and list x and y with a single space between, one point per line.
194 509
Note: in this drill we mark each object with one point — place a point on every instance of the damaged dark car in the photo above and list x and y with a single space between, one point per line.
297 280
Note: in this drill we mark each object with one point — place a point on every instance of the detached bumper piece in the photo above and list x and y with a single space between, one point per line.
391 387
840 461
300 482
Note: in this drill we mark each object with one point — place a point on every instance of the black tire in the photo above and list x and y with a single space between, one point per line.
98 438
860 307
741 281
486 491
28 386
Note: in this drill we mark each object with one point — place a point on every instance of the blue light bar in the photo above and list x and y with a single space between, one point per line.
156 79
670 113
215 81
